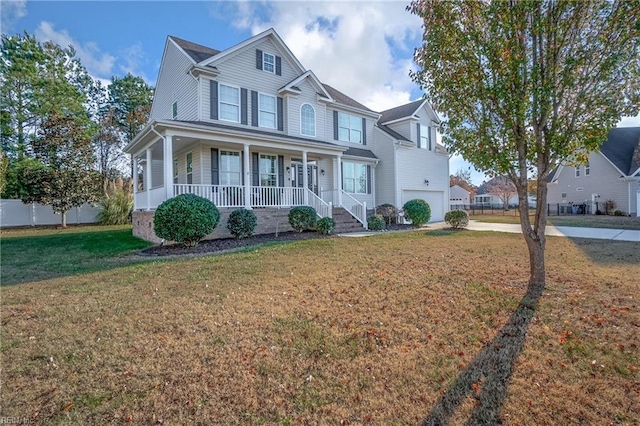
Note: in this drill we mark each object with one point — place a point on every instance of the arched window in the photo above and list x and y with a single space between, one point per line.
307 120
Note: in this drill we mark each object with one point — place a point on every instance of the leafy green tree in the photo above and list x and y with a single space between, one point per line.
130 101
20 57
528 84
67 178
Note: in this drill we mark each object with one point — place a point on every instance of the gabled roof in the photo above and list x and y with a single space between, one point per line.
622 148
267 33
341 98
401 111
196 52
292 85
392 133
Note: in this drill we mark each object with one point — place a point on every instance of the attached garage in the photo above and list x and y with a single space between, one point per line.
435 199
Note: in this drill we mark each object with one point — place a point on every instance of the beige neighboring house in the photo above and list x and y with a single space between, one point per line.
459 197
613 173
250 127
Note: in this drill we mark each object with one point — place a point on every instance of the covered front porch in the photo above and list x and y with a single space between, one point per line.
236 171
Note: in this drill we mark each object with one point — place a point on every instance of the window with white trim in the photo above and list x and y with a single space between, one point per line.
587 169
189 168
349 128
230 168
229 103
267 111
577 171
425 140
354 177
175 170
307 120
268 170
268 62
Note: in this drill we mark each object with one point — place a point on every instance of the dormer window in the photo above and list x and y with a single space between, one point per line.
268 62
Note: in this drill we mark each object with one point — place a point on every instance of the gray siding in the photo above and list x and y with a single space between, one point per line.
604 179
382 145
294 103
175 84
240 70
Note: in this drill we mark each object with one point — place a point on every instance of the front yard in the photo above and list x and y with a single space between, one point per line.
340 330
587 221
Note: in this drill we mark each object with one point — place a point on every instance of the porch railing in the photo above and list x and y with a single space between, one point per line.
355 207
322 208
220 195
272 196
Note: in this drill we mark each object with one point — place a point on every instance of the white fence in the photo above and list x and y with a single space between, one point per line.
16 213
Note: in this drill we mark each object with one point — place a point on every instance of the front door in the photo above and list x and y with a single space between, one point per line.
312 176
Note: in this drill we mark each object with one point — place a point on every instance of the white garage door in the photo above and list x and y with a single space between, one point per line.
435 199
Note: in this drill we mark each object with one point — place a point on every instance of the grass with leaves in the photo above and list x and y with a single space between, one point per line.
341 330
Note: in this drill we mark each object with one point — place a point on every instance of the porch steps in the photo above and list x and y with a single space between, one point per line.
345 222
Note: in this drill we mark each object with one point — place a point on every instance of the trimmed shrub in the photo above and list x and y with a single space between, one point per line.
388 213
617 213
242 223
376 222
302 218
185 219
417 211
458 219
326 225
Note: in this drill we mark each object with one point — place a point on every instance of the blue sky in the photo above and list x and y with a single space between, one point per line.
370 44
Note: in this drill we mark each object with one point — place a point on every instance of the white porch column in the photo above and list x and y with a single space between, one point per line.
339 184
147 177
168 165
305 178
135 182
247 177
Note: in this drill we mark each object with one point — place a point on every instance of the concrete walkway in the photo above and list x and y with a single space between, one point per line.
558 231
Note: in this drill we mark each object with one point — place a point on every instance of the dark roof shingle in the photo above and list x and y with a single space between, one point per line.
392 133
197 52
401 111
344 99
622 148
359 152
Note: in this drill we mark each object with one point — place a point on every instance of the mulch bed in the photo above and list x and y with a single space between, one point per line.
225 244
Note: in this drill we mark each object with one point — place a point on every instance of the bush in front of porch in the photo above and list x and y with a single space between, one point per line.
417 211
185 219
242 223
302 218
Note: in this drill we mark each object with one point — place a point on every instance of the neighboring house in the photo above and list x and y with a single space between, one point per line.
459 197
251 127
613 173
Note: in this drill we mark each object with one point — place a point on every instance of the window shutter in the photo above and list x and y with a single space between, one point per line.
342 175
300 176
243 106
254 108
429 137
418 130
280 113
256 169
213 101
242 167
364 131
278 65
335 125
281 170
259 59
368 179
215 170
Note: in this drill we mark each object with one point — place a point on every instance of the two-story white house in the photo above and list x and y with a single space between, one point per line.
250 127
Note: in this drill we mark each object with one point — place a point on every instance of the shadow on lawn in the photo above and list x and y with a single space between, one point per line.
490 371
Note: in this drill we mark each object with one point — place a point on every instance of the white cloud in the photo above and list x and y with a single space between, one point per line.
98 64
11 11
363 49
134 57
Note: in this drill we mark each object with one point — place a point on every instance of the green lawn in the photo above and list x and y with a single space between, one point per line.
39 254
333 331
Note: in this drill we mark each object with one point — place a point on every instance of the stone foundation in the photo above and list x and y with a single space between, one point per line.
270 220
